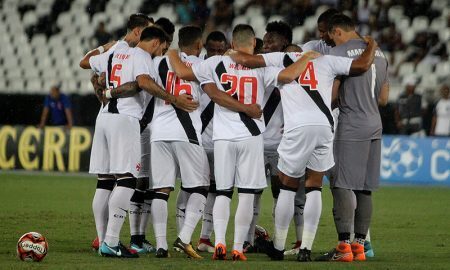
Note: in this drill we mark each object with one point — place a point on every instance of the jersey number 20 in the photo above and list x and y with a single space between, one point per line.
237 87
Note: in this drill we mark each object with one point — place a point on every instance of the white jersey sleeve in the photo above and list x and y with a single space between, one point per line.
339 65
99 63
271 77
274 59
203 70
143 65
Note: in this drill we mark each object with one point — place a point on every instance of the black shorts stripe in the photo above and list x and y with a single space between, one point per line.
271 105
112 105
248 122
207 115
315 95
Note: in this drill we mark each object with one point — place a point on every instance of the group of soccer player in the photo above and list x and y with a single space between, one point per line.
231 118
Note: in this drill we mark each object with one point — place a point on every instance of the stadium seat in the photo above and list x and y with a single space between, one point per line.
444 34
443 69
408 34
69 86
33 85
240 20
39 40
406 69
420 23
29 18
310 24
298 34
429 81
30 72
64 19
424 68
253 11
275 18
395 12
17 86
394 92
438 23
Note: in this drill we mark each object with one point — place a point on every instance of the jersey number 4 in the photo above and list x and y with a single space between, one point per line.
308 77
176 86
238 87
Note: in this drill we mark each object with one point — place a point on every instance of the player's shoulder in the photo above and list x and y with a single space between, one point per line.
191 59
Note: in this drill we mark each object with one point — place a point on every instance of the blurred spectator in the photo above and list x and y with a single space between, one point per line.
192 12
59 107
409 109
391 39
440 125
222 16
101 35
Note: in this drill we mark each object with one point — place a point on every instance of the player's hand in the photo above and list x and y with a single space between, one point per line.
108 45
370 40
102 79
254 111
186 103
311 54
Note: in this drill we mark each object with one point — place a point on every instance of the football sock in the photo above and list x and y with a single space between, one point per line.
194 211
242 219
311 216
300 198
182 199
159 218
256 209
207 224
119 204
368 235
221 215
343 209
363 212
100 205
135 214
283 215
360 239
146 211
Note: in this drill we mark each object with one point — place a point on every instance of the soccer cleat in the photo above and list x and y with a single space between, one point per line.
368 250
162 253
187 249
118 251
294 250
148 246
358 252
304 255
95 244
248 248
342 253
205 245
220 252
238 256
268 248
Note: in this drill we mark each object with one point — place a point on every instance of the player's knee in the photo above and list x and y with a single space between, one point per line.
142 183
227 193
199 190
126 181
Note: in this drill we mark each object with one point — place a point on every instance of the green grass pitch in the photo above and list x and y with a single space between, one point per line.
410 228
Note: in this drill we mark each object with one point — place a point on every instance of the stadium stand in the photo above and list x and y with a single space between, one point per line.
43 40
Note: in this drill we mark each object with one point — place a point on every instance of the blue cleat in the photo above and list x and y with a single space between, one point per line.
368 250
119 251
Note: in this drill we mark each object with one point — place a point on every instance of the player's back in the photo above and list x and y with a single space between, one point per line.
359 117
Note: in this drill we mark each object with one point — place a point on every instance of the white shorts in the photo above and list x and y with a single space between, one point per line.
239 164
170 159
145 170
116 145
210 155
306 147
271 162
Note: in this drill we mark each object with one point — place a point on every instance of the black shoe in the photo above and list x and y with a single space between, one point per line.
268 248
326 257
120 251
248 248
162 253
304 255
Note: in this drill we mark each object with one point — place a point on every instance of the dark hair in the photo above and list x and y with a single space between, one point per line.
259 45
153 32
342 21
138 20
188 35
327 15
216 36
166 25
280 28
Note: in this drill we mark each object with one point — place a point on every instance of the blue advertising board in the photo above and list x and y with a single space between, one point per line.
409 160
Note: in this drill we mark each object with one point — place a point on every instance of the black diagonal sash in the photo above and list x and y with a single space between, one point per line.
271 105
207 115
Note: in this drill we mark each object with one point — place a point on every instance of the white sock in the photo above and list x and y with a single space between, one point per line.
221 215
119 204
145 217
311 215
135 213
100 209
298 221
256 209
283 215
207 224
368 235
242 219
275 200
159 217
194 212
182 199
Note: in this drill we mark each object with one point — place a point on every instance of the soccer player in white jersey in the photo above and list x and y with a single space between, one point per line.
105 184
238 144
307 139
177 148
116 144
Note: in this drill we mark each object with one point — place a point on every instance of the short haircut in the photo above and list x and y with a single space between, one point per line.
327 15
243 34
166 25
138 20
341 21
216 36
188 35
281 28
153 32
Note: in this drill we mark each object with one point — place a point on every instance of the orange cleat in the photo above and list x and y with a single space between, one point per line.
220 252
358 252
95 244
238 256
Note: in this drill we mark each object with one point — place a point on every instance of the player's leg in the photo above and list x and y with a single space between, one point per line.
182 199
299 206
146 218
249 244
224 171
162 157
194 171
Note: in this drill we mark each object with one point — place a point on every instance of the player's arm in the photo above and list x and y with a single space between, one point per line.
184 102
363 62
245 59
293 71
84 62
183 72
125 90
335 93
98 88
223 99
384 94
44 117
68 112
